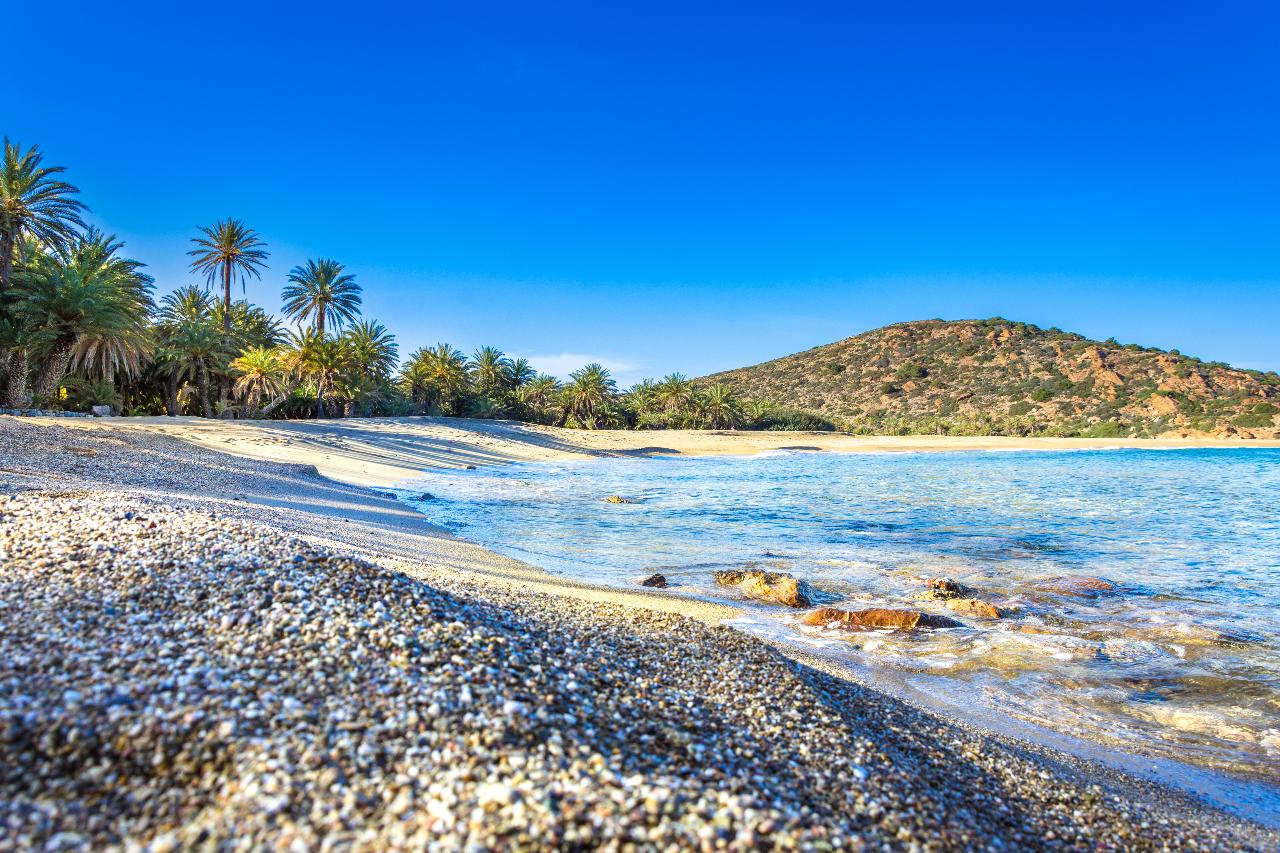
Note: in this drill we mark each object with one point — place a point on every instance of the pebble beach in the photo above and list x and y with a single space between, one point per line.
200 650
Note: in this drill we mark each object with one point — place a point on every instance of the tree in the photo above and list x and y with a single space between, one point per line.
33 202
521 372
721 408
261 373
228 249
101 352
539 393
588 395
64 299
435 377
491 371
371 350
193 349
322 290
320 359
674 393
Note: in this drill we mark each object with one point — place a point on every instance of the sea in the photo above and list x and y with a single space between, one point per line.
1178 663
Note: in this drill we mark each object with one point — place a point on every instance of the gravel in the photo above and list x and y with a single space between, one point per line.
179 670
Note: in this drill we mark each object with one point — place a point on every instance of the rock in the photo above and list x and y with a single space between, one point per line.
101 411
618 499
1080 586
973 607
425 496
769 586
943 589
877 617
470 467
655 580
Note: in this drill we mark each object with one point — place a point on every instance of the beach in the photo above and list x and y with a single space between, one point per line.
336 671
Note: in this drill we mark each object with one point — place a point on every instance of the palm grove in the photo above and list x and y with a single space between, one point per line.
80 326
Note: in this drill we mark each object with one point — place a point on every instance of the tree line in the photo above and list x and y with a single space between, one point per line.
80 326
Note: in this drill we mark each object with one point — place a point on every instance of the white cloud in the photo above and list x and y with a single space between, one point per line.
561 365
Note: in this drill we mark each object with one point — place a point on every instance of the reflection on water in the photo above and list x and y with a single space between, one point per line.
1179 659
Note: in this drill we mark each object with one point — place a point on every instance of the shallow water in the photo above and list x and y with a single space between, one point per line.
1179 661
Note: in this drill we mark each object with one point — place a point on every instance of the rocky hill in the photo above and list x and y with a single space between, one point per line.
1006 378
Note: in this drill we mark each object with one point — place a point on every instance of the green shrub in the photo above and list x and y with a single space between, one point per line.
908 372
1041 394
1107 429
1254 420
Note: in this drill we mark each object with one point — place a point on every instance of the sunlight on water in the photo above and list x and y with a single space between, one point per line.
1181 660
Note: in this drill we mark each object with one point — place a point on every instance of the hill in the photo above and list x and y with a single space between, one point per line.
1006 378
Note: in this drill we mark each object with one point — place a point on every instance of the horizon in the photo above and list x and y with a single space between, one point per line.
571 186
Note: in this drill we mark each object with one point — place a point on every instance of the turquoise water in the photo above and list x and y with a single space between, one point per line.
1180 661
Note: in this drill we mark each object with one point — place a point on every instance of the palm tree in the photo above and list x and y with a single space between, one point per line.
262 372
227 249
588 395
540 392
491 371
101 352
190 352
251 326
59 301
34 202
675 393
185 305
320 359
435 377
371 350
721 407
321 289
521 372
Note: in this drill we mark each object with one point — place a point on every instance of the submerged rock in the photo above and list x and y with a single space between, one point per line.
1080 586
655 580
973 607
769 586
878 617
618 499
945 589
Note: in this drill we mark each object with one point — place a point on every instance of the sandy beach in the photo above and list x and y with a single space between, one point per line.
385 451
506 708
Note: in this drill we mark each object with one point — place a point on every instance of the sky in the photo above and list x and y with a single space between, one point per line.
690 186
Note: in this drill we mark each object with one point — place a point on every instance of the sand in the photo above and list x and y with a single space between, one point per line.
385 451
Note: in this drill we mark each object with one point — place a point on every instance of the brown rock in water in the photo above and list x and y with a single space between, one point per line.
1081 586
942 589
769 586
973 607
618 499
877 617
659 581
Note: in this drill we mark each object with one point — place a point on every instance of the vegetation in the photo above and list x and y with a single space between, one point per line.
999 377
79 328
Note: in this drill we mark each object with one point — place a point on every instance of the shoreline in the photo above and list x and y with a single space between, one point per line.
348 516
381 452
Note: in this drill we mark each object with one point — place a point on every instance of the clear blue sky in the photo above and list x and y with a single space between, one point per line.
692 186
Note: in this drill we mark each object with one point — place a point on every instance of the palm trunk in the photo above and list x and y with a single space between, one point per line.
275 404
320 323
171 395
320 398
52 371
16 395
202 385
224 382
8 241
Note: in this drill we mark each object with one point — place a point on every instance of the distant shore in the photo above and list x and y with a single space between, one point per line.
870 767
380 452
